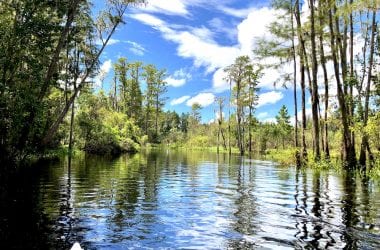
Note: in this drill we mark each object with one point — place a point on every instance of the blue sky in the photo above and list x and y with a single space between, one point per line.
195 40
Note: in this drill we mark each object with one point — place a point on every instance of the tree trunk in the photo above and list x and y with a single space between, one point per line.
156 118
229 120
52 68
71 143
302 81
238 117
220 123
365 143
115 94
314 90
217 145
348 157
296 144
54 127
224 139
352 76
250 129
326 83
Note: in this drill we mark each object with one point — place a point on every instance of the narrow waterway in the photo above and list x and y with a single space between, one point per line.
187 200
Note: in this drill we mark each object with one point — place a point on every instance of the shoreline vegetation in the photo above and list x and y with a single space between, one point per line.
50 97
282 157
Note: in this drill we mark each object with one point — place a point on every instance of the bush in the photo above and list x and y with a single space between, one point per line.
104 131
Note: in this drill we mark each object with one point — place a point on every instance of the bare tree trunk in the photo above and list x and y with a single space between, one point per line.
326 82
348 157
156 118
224 139
365 143
239 117
296 144
71 143
302 80
352 77
220 123
250 129
314 90
229 120
115 94
217 145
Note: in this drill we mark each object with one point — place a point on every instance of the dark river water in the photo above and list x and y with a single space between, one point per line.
187 200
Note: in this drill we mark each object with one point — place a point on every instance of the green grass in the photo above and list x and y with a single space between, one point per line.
285 157
56 153
374 172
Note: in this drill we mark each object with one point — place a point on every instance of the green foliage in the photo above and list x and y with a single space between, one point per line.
104 131
283 124
198 141
47 55
374 172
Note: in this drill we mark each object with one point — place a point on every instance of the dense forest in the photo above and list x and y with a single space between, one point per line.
49 57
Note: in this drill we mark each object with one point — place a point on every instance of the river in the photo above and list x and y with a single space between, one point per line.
187 200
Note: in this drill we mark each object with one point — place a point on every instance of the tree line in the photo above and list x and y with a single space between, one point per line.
332 30
50 56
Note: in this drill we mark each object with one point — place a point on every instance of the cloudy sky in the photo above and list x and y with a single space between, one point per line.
195 40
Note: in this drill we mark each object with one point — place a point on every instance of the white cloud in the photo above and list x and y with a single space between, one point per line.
110 42
106 66
270 120
203 99
241 13
219 83
308 112
204 52
149 20
113 41
179 7
219 115
179 78
269 98
136 48
219 26
254 27
193 43
199 45
175 82
103 72
211 121
172 7
179 100
262 115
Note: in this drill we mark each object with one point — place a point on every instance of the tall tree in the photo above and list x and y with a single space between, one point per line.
154 100
321 14
220 118
105 27
252 78
283 124
301 54
348 153
134 100
314 88
236 72
121 74
365 144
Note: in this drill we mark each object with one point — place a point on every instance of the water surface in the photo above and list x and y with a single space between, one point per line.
187 200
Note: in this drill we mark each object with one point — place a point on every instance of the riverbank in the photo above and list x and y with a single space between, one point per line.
284 157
